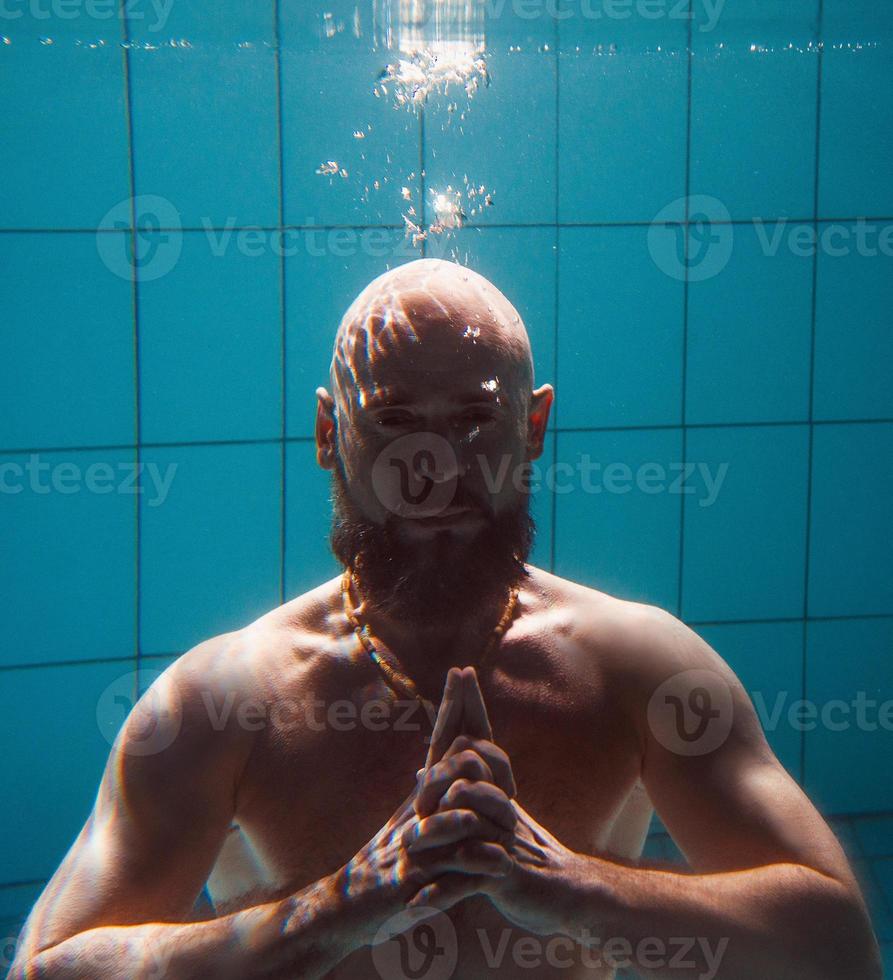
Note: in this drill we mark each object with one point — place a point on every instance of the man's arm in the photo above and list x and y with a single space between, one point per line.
771 893
117 905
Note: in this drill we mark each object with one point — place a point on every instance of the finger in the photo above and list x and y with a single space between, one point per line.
484 798
449 717
470 857
447 891
475 721
452 826
439 778
495 757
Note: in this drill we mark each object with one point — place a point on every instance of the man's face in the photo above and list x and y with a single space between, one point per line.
429 483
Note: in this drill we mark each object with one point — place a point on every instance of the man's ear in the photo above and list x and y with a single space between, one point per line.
538 419
326 429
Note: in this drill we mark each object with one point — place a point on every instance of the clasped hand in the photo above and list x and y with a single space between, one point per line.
461 831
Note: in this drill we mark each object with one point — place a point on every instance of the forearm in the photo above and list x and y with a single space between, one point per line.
781 920
304 935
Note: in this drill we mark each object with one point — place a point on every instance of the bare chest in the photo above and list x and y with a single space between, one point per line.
327 772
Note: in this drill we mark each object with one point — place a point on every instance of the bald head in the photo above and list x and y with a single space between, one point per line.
430 314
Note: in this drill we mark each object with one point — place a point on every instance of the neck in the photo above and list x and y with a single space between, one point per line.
427 646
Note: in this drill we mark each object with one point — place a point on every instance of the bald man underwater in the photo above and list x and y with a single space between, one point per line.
443 762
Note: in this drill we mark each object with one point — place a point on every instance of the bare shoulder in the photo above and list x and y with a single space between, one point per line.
281 649
639 644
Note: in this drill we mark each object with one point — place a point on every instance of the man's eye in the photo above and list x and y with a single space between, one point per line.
393 419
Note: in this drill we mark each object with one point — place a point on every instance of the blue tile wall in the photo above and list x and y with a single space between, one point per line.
856 148
616 523
64 151
622 82
197 338
747 354
55 755
745 522
757 164
620 331
209 541
215 171
852 528
68 575
216 374
848 680
853 340
67 340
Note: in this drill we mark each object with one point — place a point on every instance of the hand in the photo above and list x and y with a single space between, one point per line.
526 896
418 846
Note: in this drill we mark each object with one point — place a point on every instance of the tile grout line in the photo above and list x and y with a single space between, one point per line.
283 322
566 430
556 305
685 293
477 226
804 660
135 305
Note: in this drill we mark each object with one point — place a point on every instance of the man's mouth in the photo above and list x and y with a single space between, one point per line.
447 516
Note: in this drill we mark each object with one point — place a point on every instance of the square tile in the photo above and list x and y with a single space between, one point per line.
767 658
514 118
745 523
856 148
619 331
56 740
214 155
68 526
616 521
753 105
875 836
521 263
64 148
224 23
630 100
874 897
851 529
849 746
66 350
853 341
325 270
749 335
210 342
210 543
327 98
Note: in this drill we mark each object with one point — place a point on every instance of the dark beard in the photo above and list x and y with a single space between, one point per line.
446 577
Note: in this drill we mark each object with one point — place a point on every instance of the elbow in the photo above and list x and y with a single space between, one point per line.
842 940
